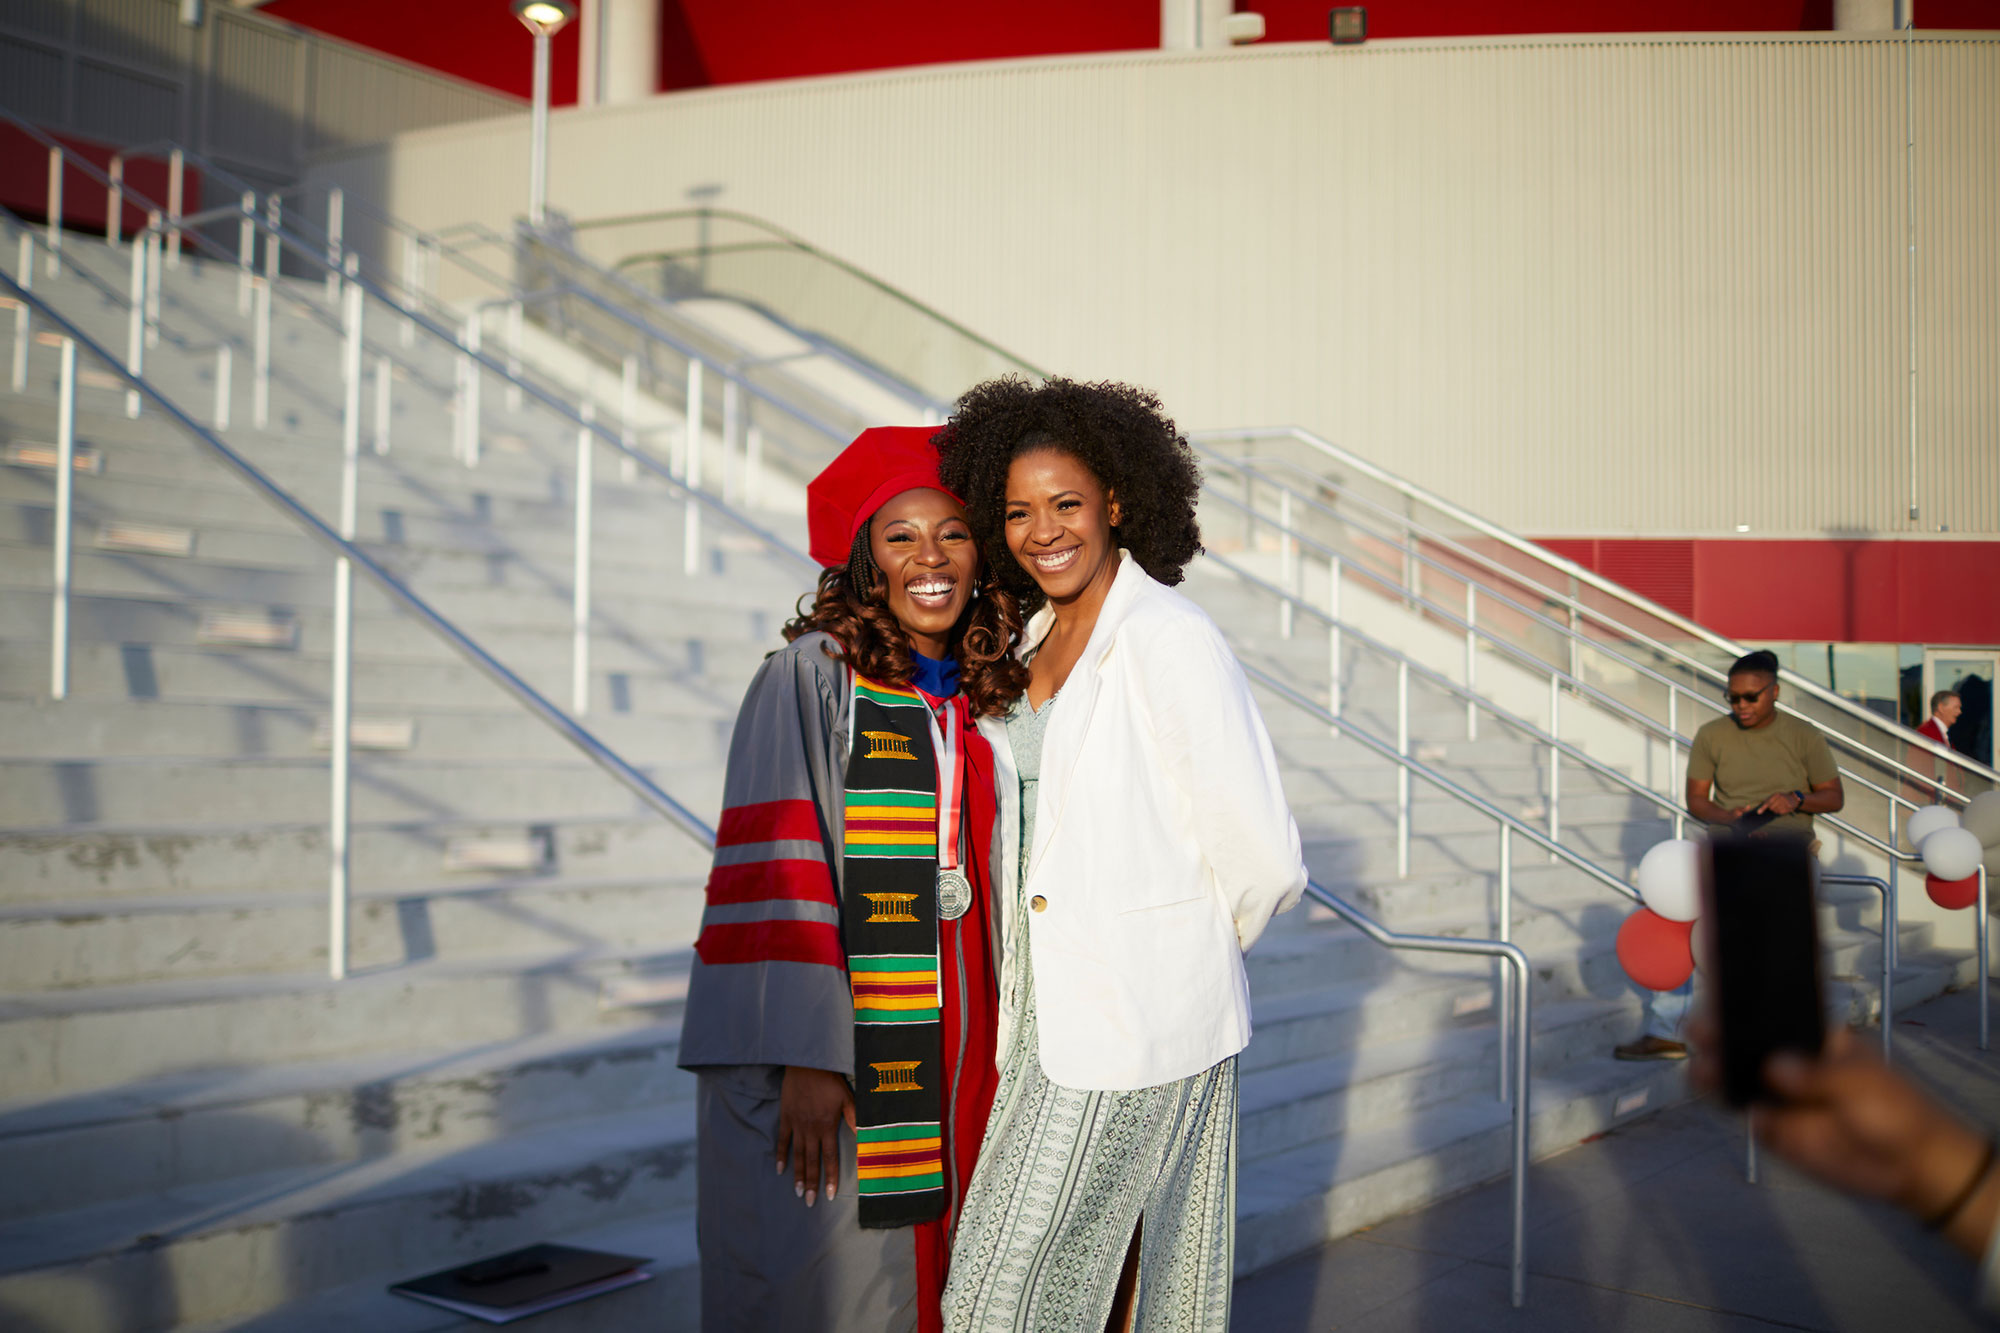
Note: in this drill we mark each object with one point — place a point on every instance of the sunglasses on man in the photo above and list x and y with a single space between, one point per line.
1750 698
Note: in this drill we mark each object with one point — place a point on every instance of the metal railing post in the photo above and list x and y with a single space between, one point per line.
1892 943
1555 758
343 641
1287 562
691 554
114 201
1575 653
55 212
469 386
732 420
514 316
1504 935
382 404
176 201
1518 1278
24 319
65 487
412 277
1471 658
135 326
753 460
260 357
579 675
336 256
1402 771
1673 792
246 250
225 365
1333 563
1979 933
1411 577
274 211
155 250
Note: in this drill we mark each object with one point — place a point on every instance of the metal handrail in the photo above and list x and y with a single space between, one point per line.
545 397
1435 678
1516 960
1410 552
1887 889
1556 674
1418 768
344 549
1574 570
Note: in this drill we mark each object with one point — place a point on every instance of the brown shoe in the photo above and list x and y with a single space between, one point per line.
1651 1048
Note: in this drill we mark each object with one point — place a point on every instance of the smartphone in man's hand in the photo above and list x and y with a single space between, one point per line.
1759 911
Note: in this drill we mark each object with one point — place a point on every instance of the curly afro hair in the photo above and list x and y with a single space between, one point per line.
1117 431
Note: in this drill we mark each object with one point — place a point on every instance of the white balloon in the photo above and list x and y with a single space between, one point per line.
1670 879
1922 823
1952 853
1982 818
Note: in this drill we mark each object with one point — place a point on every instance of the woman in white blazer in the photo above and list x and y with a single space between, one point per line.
1144 843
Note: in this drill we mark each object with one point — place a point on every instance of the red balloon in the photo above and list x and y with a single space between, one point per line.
1655 952
1952 894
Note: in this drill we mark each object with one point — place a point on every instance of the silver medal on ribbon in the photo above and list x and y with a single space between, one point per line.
954 894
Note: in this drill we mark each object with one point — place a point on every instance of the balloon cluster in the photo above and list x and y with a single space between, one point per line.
1656 944
1953 847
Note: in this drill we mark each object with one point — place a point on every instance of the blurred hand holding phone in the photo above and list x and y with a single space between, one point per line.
1767 995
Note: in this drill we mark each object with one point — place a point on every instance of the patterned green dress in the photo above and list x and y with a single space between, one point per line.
1066 1175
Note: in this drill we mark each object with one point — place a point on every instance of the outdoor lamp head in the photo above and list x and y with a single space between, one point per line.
544 17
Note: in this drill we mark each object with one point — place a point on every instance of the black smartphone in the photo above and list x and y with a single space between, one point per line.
1763 949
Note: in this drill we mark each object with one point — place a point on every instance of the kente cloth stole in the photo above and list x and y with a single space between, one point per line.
889 925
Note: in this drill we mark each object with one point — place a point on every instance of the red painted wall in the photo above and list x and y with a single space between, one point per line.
1305 20
24 182
707 42
742 41
477 40
1837 591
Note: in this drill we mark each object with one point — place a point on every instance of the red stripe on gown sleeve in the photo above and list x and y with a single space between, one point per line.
760 881
772 942
768 821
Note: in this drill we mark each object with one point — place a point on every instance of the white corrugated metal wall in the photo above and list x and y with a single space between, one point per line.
1587 285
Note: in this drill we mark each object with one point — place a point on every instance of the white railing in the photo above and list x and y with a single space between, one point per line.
1633 612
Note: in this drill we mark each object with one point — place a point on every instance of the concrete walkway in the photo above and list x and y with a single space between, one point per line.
1653 1227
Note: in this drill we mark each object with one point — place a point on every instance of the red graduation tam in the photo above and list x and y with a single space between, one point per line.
882 463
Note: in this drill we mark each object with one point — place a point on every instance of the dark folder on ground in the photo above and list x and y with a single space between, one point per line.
523 1282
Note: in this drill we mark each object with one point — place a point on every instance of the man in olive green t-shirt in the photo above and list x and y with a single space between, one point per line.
1756 768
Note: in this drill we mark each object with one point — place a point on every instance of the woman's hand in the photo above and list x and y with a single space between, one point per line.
811 1106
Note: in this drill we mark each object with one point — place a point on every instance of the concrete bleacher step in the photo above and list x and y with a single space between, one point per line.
80 942
39 729
56 1042
57 864
157 1135
707 676
1293 1200
244 1245
68 793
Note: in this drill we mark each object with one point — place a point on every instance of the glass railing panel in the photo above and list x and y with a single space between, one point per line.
715 253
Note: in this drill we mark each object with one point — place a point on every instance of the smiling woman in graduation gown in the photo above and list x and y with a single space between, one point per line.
843 993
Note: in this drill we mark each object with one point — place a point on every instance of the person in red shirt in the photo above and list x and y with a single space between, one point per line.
1945 708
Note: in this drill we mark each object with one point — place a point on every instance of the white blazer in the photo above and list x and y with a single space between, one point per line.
1163 846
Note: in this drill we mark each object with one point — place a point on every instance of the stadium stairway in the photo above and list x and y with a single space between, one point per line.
201 1129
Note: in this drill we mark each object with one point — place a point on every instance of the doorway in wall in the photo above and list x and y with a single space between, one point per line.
1970 672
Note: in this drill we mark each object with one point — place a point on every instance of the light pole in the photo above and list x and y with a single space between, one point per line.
544 18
